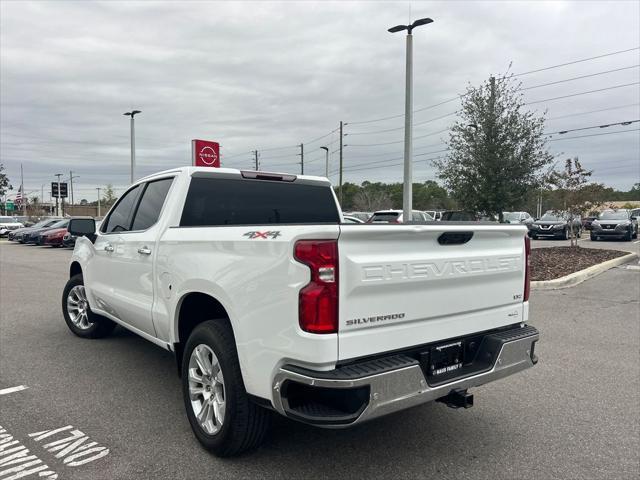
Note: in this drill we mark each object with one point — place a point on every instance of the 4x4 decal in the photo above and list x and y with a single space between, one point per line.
265 235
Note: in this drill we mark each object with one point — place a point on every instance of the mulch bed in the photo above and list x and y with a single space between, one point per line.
556 262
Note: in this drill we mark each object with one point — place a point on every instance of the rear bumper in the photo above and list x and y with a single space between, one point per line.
389 384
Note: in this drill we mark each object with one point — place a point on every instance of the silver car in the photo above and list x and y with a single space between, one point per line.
615 224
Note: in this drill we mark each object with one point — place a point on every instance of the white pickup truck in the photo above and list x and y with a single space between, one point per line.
270 302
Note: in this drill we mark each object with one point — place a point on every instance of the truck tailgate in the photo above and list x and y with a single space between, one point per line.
406 285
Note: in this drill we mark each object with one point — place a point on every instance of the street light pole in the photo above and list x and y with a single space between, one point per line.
131 114
58 205
98 188
407 191
326 161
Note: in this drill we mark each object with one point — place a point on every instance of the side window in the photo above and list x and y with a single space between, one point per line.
119 219
151 204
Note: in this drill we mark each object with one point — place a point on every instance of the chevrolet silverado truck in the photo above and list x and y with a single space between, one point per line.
271 303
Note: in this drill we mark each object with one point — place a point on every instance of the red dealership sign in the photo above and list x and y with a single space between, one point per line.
205 153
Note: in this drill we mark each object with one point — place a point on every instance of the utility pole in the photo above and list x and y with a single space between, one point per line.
301 159
23 199
58 204
71 185
340 181
255 153
131 114
407 191
326 161
98 188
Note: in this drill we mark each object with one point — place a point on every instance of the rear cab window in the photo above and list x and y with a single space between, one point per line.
222 201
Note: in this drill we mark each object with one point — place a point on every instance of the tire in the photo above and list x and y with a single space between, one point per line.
629 236
635 235
243 424
593 238
78 316
565 234
534 236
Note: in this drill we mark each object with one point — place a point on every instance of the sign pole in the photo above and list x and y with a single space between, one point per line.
22 199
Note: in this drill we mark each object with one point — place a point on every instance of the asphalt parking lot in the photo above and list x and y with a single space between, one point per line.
575 415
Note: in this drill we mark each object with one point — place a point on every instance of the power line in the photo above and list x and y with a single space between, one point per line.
400 115
562 132
594 135
272 149
579 78
594 111
323 136
399 141
574 62
583 93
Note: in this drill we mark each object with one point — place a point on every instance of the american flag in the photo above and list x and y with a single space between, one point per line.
19 196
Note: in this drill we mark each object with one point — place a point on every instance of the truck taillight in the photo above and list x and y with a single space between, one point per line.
318 300
527 267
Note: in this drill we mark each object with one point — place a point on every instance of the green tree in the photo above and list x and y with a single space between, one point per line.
349 191
575 193
109 196
371 198
497 149
5 186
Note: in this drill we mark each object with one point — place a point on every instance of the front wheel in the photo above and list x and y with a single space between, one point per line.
77 313
629 236
594 238
223 418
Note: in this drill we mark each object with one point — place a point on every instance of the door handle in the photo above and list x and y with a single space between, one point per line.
144 250
108 247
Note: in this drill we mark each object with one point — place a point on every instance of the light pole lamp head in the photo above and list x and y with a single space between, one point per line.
409 28
325 148
132 113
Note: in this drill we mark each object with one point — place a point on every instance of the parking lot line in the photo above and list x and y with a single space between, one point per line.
5 391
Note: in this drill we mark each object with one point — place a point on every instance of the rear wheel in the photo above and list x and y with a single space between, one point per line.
221 415
77 313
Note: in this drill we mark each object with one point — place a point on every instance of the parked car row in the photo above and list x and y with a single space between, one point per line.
47 232
621 223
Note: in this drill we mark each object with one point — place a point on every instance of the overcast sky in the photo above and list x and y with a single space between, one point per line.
269 75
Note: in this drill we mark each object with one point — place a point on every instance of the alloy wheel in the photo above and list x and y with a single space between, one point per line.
206 389
78 307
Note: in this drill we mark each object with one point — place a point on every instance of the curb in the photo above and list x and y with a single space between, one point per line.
575 278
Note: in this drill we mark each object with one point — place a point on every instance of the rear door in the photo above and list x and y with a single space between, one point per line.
402 286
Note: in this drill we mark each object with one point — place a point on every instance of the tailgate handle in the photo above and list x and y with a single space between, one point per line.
454 238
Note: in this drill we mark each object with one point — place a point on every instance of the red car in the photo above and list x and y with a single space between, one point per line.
54 238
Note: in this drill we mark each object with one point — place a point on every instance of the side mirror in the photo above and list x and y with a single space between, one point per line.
634 218
82 227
